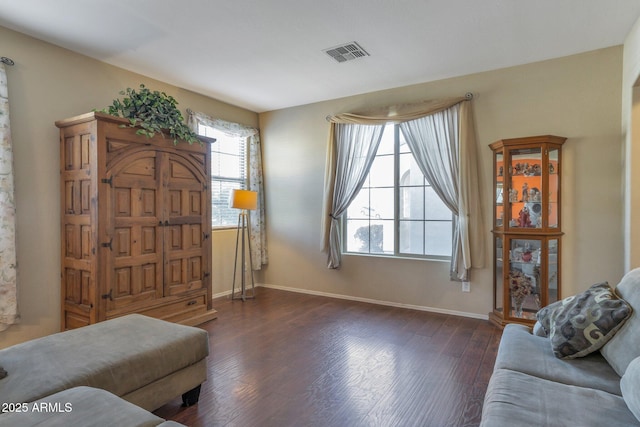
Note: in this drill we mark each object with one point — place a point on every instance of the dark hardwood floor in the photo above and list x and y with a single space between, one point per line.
289 359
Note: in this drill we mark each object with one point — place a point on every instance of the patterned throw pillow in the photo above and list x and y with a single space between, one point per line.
581 324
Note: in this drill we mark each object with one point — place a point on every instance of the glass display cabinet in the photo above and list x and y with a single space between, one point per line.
526 227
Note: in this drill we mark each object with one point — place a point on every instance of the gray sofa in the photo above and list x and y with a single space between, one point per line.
530 386
124 367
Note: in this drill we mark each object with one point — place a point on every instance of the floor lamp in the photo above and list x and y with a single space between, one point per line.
244 200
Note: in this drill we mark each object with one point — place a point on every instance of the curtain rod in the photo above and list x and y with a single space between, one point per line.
6 60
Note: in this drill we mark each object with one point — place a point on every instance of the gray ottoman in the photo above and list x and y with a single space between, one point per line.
141 359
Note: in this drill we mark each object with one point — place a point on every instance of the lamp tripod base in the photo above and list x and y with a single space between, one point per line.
243 235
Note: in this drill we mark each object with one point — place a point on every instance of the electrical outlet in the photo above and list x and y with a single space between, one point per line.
466 287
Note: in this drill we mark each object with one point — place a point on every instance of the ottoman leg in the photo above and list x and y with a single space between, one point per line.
191 397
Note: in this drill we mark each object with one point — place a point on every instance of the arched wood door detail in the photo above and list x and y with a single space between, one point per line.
155 234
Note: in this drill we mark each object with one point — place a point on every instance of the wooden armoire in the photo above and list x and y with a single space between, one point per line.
135 224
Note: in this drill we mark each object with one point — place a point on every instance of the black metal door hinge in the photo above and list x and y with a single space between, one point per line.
108 181
108 244
108 296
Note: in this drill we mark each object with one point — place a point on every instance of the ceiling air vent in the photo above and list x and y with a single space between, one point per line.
346 52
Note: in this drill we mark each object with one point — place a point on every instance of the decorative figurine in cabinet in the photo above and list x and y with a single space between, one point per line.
526 227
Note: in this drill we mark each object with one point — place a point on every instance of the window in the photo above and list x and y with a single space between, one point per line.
397 212
228 172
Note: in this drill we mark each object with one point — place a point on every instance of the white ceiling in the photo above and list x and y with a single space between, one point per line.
268 54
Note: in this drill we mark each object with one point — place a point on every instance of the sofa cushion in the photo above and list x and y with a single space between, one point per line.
81 406
119 355
625 345
519 350
630 385
543 315
516 399
581 324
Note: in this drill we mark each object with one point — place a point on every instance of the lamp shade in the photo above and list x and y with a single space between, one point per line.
243 199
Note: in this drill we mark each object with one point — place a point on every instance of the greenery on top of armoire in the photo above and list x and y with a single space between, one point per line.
152 112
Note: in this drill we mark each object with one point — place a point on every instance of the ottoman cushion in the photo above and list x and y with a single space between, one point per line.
119 355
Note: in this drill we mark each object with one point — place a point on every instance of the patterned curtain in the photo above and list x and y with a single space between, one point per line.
8 289
257 231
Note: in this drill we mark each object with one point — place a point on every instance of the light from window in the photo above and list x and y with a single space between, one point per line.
397 212
228 172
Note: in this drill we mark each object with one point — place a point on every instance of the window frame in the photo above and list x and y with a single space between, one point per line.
243 182
396 213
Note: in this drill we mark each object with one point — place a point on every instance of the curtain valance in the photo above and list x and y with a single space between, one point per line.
236 129
396 113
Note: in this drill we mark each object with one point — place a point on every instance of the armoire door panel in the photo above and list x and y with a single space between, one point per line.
85 151
122 206
70 197
85 197
195 236
85 288
77 152
149 277
86 241
195 203
70 240
174 238
195 268
178 171
140 168
77 241
69 162
123 282
72 286
186 210
148 240
133 284
174 272
136 255
174 205
147 205
77 284
122 242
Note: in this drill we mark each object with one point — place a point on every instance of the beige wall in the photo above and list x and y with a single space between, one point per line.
631 135
47 84
577 97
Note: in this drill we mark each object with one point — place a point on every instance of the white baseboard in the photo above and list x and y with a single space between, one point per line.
222 294
373 301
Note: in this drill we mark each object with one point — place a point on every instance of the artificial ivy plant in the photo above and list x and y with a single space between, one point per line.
152 112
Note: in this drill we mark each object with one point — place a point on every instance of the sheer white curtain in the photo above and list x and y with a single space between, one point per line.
435 143
8 274
443 135
351 152
257 232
